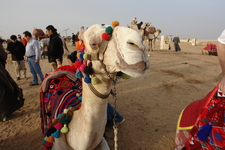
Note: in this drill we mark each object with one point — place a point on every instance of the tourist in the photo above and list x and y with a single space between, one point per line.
73 39
176 41
55 49
17 51
33 58
221 57
11 96
80 44
19 38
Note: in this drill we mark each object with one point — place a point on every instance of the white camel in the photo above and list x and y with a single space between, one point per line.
148 33
124 52
150 38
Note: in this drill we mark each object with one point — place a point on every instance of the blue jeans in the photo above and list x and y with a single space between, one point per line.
35 69
110 116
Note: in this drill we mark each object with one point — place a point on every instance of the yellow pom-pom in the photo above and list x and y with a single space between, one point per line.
95 80
77 95
46 138
64 129
125 76
49 107
65 111
50 139
87 56
115 23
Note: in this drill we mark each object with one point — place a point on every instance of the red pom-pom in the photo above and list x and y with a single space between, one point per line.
48 144
58 125
77 64
105 36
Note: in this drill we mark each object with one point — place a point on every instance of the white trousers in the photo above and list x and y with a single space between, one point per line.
20 67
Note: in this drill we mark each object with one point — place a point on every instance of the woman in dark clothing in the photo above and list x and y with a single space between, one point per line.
55 49
11 96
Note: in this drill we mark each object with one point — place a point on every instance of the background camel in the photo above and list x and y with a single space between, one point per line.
148 33
123 52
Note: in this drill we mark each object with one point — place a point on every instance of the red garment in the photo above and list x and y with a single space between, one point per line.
24 41
79 45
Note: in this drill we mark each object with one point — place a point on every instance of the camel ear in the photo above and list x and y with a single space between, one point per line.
95 42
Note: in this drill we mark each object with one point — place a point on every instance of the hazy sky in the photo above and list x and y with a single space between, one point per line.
202 19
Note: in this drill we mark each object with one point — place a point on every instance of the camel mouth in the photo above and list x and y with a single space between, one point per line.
134 70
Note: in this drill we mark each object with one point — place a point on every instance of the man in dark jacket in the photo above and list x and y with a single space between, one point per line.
55 49
17 51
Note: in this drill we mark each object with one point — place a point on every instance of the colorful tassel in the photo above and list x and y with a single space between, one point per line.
79 74
95 80
64 129
59 116
58 125
125 76
56 134
204 132
87 79
115 23
48 144
65 111
106 36
87 56
82 67
65 120
50 139
109 30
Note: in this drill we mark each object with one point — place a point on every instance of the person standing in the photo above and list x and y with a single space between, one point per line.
17 51
221 57
33 57
55 49
11 96
73 39
80 44
176 41
19 38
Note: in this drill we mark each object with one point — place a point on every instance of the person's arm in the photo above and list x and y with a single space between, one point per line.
37 51
221 57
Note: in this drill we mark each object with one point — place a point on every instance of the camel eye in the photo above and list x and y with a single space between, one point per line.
131 43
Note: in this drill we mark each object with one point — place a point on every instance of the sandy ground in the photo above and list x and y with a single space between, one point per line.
150 104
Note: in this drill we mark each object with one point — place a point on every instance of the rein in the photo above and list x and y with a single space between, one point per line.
101 52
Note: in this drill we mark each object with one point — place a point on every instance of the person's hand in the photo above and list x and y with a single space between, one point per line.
36 60
222 85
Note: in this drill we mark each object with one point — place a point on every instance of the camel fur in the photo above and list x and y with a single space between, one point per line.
125 52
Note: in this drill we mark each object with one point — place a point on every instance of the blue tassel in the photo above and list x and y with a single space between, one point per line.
59 115
43 141
87 79
47 134
82 56
79 74
80 98
56 134
204 132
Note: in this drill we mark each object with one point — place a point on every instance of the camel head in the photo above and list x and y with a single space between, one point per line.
124 50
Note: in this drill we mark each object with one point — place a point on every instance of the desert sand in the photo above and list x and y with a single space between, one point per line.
150 104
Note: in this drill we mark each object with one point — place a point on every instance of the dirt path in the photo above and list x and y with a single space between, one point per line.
150 104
